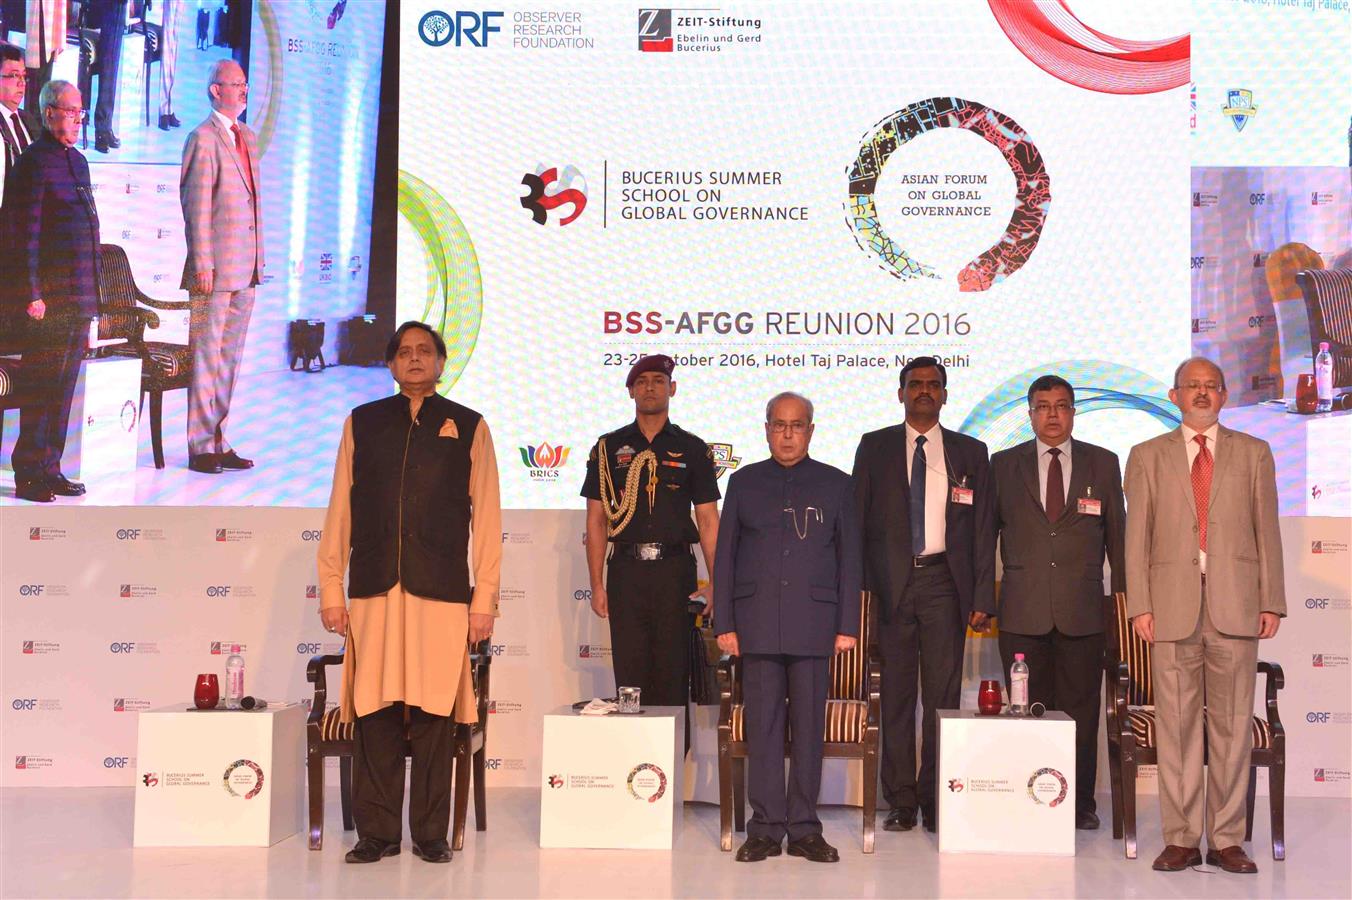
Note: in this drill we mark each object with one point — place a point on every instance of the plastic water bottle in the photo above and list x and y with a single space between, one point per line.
1018 687
234 678
1323 378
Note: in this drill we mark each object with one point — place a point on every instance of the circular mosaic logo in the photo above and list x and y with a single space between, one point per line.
646 782
243 775
1047 787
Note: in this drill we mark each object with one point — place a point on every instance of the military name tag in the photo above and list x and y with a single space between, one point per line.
962 495
1087 507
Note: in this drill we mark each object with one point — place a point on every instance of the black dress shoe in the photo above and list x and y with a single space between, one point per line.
33 491
900 820
113 140
164 123
233 460
173 121
101 144
432 851
206 463
757 848
369 850
64 487
1087 820
814 848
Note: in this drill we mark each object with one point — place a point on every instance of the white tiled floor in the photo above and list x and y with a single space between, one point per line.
76 842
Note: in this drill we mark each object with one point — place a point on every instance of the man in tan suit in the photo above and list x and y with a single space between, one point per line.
218 189
1204 584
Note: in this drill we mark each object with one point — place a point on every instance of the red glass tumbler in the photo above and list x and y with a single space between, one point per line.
988 698
207 692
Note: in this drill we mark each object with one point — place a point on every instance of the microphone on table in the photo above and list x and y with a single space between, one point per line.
252 703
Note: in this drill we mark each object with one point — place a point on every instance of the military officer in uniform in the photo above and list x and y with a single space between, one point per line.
786 598
642 481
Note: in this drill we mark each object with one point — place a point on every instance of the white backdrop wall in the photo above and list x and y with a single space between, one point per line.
107 611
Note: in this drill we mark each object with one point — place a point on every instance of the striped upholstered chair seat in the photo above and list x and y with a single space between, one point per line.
333 728
846 721
1142 721
1328 303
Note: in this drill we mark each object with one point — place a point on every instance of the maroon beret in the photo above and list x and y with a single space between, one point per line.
655 363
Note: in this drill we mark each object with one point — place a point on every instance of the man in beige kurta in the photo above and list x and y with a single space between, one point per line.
415 473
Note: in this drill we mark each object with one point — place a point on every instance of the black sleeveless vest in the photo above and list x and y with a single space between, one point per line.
410 499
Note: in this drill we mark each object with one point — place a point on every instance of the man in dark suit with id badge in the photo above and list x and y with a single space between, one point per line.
926 505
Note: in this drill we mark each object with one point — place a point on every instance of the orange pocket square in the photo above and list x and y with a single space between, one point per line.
448 429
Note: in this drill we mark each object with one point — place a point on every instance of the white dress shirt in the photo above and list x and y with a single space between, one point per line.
936 485
14 128
1193 450
1044 463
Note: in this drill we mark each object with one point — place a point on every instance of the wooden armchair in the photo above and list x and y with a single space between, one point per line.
123 314
326 735
853 714
1130 701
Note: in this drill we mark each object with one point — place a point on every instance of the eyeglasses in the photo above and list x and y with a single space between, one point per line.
14 76
237 85
1211 387
1061 408
74 113
789 427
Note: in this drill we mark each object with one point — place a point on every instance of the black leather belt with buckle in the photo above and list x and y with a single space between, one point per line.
931 559
650 552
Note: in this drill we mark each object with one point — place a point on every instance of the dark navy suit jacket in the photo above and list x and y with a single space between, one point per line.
51 229
788 571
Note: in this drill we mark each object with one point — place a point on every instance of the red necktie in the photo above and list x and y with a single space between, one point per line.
242 151
1055 501
1201 486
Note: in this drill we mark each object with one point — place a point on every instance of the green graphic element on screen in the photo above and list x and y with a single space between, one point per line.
454 301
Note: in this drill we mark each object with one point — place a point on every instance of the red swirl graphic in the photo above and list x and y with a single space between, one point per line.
1056 41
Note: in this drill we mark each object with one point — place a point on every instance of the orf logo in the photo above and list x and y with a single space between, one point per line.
307 649
493 762
1317 718
150 779
555 781
437 28
218 590
30 590
115 762
122 647
128 534
24 705
654 31
955 785
496 649
549 191
312 534
582 594
1316 603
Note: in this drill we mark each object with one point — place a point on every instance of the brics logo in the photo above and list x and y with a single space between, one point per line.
549 191
543 461
122 647
437 28
218 590
30 590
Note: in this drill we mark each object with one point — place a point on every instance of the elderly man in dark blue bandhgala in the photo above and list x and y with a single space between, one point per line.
51 244
786 597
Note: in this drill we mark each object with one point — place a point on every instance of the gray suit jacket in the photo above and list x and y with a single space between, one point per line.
1244 541
222 218
1053 571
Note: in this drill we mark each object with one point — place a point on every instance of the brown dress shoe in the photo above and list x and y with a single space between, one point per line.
1232 859
1176 859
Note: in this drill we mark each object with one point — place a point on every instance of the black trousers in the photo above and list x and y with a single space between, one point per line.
51 366
378 774
777 810
924 637
649 626
1065 673
111 25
